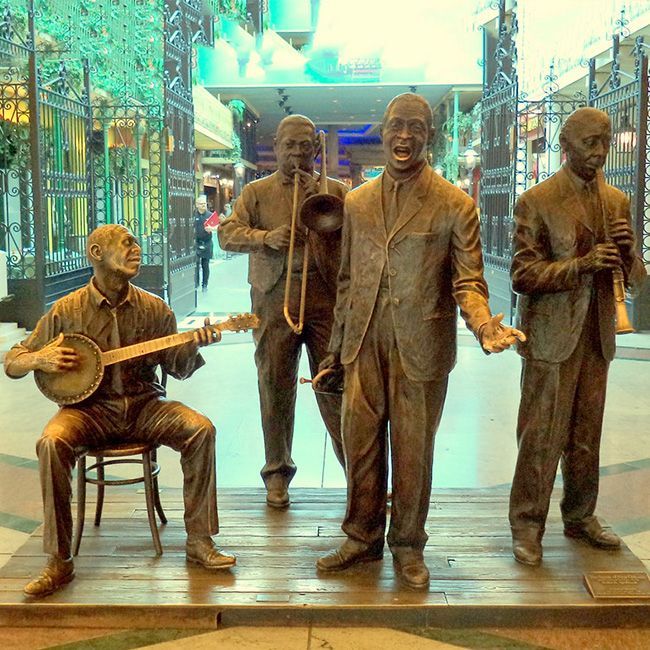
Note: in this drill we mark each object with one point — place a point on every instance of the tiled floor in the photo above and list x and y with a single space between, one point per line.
475 447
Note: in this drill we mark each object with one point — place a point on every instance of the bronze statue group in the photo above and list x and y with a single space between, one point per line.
380 318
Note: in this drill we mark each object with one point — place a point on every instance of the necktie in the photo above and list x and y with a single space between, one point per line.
594 207
393 210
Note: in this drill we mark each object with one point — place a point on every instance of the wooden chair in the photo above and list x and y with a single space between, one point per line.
120 455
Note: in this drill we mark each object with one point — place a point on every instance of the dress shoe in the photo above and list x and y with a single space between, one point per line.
527 546
277 491
593 533
410 567
201 550
57 572
277 497
349 553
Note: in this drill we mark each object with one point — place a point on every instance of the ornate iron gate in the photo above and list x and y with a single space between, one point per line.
17 236
624 97
499 111
183 27
128 159
46 211
65 125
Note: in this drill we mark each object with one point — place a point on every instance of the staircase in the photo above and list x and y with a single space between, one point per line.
10 334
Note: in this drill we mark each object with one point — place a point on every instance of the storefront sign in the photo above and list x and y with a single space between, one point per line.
213 123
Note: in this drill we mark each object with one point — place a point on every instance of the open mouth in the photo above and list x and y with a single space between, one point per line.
401 152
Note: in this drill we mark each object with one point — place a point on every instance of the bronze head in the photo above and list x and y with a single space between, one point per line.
295 144
585 138
406 132
113 250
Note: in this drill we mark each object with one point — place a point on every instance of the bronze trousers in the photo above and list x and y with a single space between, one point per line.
380 398
277 356
107 422
560 419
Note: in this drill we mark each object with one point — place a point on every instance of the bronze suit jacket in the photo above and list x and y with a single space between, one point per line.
265 204
552 230
434 261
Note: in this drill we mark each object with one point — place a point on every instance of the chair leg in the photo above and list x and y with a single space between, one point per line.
81 504
148 493
156 491
100 491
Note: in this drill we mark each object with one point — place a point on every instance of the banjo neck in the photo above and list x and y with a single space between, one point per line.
239 323
147 347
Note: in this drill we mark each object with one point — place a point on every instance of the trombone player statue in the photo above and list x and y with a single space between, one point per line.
261 226
572 239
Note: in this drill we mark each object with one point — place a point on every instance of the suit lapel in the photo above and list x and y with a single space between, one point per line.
414 201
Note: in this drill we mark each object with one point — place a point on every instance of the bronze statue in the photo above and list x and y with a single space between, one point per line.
128 405
572 231
260 226
411 253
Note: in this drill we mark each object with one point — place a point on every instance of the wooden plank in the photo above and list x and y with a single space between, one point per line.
469 556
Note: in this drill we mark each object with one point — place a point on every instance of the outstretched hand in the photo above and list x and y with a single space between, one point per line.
496 337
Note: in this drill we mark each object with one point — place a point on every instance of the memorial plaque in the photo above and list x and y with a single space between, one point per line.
618 584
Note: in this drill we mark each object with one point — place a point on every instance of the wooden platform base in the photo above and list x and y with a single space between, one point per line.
474 578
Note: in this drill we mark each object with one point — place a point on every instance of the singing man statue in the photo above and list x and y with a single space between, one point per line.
260 225
128 406
571 232
411 253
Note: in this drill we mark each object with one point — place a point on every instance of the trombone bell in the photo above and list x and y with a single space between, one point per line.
322 213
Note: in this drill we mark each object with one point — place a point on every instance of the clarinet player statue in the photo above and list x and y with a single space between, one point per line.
572 244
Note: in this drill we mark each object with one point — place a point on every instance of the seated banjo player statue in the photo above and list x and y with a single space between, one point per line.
128 403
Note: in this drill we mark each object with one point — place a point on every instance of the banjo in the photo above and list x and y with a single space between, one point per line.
73 386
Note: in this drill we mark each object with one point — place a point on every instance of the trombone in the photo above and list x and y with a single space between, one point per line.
322 213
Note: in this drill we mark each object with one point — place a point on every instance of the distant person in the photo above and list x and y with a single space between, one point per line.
227 211
203 238
260 225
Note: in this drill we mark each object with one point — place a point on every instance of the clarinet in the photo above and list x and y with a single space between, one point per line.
623 324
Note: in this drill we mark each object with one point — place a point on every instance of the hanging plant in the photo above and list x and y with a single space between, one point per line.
238 108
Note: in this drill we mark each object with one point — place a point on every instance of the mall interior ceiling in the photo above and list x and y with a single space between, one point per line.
353 109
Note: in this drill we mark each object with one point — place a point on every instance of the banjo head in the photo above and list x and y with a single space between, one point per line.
75 385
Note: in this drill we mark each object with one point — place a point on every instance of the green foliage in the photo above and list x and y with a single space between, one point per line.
469 128
123 42
235 153
237 107
230 9
14 145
